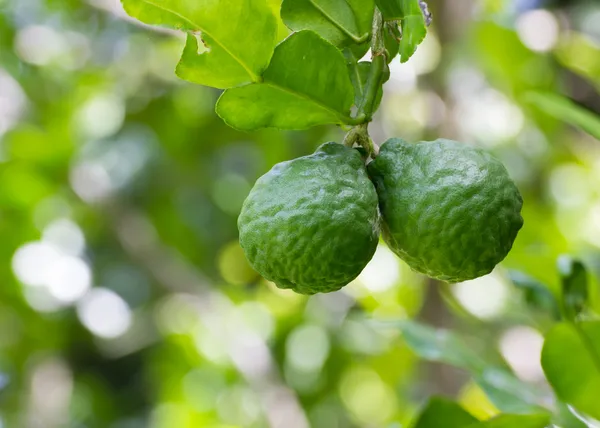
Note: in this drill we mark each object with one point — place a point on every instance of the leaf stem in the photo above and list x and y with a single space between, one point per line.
360 133
377 70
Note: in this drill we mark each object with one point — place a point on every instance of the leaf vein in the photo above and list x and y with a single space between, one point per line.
253 76
343 117
339 25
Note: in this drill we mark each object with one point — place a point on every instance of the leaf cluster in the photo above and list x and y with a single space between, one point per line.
314 76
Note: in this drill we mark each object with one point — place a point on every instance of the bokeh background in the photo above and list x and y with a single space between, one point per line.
125 299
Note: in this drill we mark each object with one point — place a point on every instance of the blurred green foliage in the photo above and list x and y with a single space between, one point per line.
126 301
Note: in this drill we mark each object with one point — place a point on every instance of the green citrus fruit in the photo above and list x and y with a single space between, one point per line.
449 210
312 224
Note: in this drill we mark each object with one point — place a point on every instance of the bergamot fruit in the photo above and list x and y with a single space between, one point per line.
312 224
449 210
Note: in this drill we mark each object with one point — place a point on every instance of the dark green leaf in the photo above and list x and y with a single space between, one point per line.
537 295
571 362
574 282
514 421
441 412
306 84
341 22
238 49
566 110
391 38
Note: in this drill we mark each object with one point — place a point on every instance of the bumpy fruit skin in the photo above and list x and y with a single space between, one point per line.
312 224
449 210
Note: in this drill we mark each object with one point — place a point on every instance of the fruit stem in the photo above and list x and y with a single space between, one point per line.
360 135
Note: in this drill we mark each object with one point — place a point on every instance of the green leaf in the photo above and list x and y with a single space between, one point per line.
412 23
571 362
413 27
341 22
306 84
441 346
441 412
507 392
512 421
574 282
282 29
413 33
359 74
391 10
396 10
537 295
237 49
566 110
391 38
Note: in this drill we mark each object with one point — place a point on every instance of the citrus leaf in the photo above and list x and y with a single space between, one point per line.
237 49
441 346
306 84
413 33
391 38
574 282
507 392
282 29
341 22
571 362
504 389
412 23
512 421
413 27
391 9
536 294
564 109
441 412
359 74
395 10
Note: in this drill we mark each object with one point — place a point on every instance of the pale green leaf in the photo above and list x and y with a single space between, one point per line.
566 110
441 412
441 345
507 392
239 37
341 22
514 421
282 30
306 84
571 362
